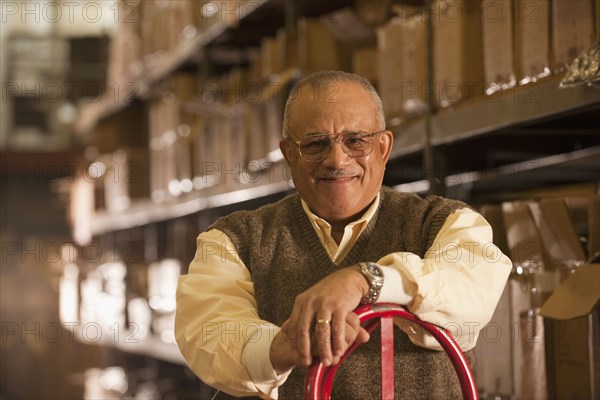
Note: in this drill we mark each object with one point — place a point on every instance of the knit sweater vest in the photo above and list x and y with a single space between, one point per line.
279 246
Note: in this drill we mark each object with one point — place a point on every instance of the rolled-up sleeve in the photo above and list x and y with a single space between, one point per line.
457 284
217 326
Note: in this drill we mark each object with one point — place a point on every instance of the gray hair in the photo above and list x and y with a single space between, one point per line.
322 79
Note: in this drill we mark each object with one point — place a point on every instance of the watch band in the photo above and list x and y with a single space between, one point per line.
374 275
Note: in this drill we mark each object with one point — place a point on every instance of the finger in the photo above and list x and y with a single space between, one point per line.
363 336
352 327
323 329
339 333
303 342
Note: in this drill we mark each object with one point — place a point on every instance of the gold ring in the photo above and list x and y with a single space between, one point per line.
323 321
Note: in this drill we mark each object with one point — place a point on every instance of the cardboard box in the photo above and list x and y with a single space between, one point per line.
573 336
532 39
457 62
255 68
364 63
522 235
584 212
125 178
597 12
270 58
373 12
255 127
526 252
493 368
558 238
594 229
287 48
497 26
402 60
572 30
317 47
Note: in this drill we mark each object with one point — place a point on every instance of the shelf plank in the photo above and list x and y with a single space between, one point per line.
576 166
408 138
524 104
521 105
146 212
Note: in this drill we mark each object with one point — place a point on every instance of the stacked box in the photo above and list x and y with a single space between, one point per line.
553 348
125 47
365 64
255 128
255 69
317 48
572 30
497 26
457 63
170 147
524 287
532 39
597 12
125 178
287 48
493 369
402 64
270 58
373 12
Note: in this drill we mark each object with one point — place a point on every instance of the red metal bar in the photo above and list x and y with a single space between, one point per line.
319 379
387 358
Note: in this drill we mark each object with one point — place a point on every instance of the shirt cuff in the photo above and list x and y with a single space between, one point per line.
393 290
256 358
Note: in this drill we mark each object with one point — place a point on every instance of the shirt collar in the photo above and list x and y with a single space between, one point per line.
320 223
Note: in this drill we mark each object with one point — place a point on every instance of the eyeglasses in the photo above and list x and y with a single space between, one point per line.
316 147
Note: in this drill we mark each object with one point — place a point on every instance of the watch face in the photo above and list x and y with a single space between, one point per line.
374 269
374 274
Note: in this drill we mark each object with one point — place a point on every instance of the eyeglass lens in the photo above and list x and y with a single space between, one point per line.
317 147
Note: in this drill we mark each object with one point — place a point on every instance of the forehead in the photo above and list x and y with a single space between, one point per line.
332 108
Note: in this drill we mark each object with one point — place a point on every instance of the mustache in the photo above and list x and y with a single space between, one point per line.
335 173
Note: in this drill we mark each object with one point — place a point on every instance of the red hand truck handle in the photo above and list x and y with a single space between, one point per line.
319 378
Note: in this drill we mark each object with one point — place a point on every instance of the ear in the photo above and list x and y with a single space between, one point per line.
386 141
288 151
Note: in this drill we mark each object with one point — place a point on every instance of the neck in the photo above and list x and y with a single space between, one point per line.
337 234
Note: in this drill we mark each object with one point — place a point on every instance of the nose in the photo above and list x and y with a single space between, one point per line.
337 156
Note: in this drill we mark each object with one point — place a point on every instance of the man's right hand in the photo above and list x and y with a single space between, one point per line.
284 348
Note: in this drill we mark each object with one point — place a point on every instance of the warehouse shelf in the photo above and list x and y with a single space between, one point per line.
572 167
141 83
158 66
408 137
526 104
476 119
146 212
488 146
523 104
567 168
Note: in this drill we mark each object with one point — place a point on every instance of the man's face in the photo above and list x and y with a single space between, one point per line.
339 187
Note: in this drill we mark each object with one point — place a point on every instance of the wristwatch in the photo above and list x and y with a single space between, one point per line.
374 275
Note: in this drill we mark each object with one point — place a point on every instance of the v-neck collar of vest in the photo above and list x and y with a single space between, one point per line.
316 247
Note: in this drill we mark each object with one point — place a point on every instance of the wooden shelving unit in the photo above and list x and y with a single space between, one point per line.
491 146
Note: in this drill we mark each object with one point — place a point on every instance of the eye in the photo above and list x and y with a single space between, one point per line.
354 139
315 143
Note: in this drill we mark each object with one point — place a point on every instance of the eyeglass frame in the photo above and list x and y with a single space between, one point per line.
335 138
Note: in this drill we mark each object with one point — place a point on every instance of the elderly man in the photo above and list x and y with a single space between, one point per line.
279 283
